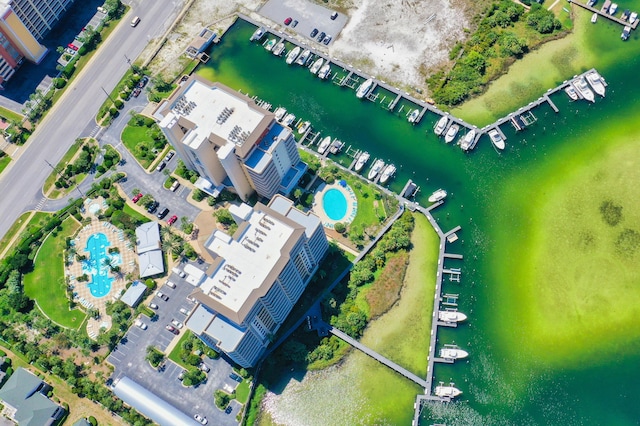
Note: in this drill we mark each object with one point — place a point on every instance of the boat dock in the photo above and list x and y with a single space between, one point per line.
605 15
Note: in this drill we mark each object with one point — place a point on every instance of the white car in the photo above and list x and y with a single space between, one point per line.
171 284
141 324
176 323
185 311
153 306
202 420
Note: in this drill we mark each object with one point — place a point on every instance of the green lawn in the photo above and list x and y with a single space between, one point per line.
137 139
175 353
135 215
46 284
19 223
4 161
10 115
242 392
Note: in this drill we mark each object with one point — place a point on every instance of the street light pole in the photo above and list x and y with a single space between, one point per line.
108 95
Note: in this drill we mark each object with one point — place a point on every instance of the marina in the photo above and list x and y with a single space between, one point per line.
604 14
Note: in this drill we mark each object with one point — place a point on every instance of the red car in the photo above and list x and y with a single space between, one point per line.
172 219
172 329
72 46
287 21
136 198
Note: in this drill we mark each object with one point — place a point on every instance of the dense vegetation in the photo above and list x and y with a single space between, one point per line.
505 32
144 139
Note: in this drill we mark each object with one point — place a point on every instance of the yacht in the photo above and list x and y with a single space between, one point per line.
364 88
325 71
595 81
303 127
625 33
322 148
316 66
336 146
278 49
571 92
613 8
362 160
280 113
451 133
451 316
293 54
581 86
594 18
468 139
377 167
388 171
269 45
413 116
440 125
288 119
447 391
302 59
257 34
496 138
452 352
438 195
633 17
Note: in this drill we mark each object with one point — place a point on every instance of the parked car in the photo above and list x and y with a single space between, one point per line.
161 166
172 329
314 32
153 207
199 418
136 198
141 324
162 296
136 92
204 367
170 284
72 46
294 23
174 186
179 271
163 213
169 155
143 81
234 376
181 375
287 21
326 40
321 36
185 311
176 323
334 15
172 220
229 409
153 306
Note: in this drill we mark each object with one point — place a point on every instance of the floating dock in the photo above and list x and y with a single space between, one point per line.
605 15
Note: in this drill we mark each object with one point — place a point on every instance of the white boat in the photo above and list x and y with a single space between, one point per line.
453 353
451 316
440 125
595 81
594 18
336 146
633 17
388 171
626 32
605 6
322 148
375 169
581 86
280 113
613 8
324 71
451 133
447 391
269 45
413 116
362 160
496 139
316 65
278 49
303 127
288 119
292 55
257 34
468 140
438 195
302 59
571 92
364 88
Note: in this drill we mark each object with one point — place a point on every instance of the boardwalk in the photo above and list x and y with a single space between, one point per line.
605 15
406 373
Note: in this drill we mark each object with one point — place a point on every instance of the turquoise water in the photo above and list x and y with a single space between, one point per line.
334 204
494 198
100 284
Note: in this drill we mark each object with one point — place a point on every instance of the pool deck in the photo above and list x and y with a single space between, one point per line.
352 205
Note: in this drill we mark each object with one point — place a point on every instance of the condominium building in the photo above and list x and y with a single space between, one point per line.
256 278
23 24
229 140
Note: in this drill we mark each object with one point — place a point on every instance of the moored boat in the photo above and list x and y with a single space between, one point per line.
440 125
278 49
496 139
625 14
292 55
302 128
613 8
571 92
411 118
581 86
605 6
364 88
438 195
316 65
322 148
453 353
633 17
362 160
257 34
375 169
468 140
451 316
302 59
336 146
595 81
280 113
388 171
451 133
626 32
288 119
447 391
594 18
269 44
324 71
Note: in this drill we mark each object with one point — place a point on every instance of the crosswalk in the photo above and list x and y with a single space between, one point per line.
41 203
95 131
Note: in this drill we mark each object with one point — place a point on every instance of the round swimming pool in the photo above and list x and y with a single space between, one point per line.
334 204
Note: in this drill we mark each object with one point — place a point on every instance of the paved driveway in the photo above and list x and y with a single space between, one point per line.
129 359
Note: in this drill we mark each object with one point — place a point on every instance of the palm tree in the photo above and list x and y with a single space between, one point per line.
172 243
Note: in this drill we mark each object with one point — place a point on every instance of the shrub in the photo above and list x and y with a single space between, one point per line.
59 83
119 104
340 227
93 421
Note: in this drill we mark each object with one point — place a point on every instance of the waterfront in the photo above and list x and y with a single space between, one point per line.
515 375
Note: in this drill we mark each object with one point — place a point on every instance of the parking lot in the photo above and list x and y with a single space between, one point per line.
128 358
308 15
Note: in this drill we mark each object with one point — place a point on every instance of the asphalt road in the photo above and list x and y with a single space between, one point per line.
21 183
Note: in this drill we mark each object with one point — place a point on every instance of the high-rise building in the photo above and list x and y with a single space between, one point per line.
23 24
229 140
256 278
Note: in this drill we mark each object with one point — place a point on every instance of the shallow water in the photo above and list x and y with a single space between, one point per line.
545 349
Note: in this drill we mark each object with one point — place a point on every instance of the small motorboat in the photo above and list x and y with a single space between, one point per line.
413 116
451 133
302 128
438 195
440 125
594 18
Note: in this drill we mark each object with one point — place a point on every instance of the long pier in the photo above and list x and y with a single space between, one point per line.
605 15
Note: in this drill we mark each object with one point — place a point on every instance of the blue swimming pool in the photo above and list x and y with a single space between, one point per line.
334 204
95 266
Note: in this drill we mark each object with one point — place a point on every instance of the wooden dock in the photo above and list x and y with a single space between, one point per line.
605 15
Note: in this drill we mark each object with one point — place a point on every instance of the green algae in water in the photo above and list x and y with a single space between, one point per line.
524 367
